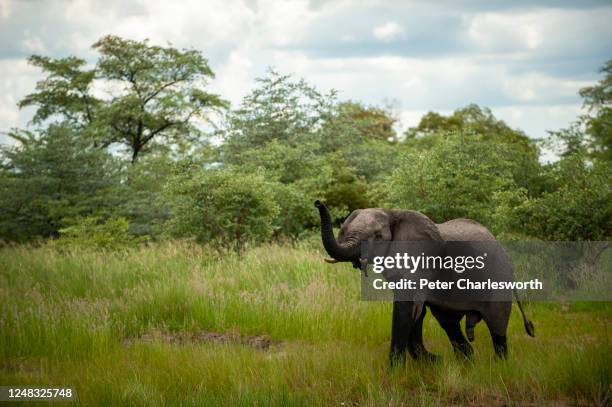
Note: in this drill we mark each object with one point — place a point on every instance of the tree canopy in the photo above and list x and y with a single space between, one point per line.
51 178
153 94
598 121
253 175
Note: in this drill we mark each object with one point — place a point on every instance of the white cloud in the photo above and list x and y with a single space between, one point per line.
388 32
424 84
283 23
515 61
19 80
235 77
537 120
5 9
532 86
548 30
500 31
34 44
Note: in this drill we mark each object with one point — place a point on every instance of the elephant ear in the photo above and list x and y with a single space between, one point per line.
413 226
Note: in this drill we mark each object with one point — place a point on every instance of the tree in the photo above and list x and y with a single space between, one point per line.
575 207
280 109
598 101
283 162
471 117
51 178
314 146
457 177
344 189
140 195
289 131
362 137
473 120
157 93
66 92
368 121
591 134
569 141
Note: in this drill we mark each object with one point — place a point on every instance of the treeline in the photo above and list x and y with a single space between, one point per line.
136 148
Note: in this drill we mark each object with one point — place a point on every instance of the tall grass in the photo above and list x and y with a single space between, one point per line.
79 318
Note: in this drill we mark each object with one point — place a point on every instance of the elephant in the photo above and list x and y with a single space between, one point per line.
379 224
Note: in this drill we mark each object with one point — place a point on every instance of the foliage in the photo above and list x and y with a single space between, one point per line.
598 100
458 177
221 206
286 144
568 141
362 136
366 122
282 162
472 119
303 138
51 177
343 189
577 191
577 207
296 213
140 196
91 232
157 92
65 93
591 134
279 109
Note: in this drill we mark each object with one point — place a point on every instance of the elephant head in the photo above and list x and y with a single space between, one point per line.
372 224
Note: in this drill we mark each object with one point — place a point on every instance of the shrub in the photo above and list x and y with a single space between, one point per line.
90 232
221 206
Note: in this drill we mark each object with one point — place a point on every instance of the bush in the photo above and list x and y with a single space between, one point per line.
90 232
296 213
221 206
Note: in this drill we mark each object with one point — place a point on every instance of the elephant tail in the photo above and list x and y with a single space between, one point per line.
529 328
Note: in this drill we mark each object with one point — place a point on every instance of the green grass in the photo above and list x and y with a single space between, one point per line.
77 318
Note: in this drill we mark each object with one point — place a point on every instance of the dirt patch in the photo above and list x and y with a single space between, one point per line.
182 338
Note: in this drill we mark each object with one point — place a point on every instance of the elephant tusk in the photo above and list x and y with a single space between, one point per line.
331 261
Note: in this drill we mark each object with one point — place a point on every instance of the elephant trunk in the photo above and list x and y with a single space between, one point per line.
340 252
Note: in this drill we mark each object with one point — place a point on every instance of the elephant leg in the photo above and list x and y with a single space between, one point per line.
400 331
461 346
500 345
471 319
416 348
450 322
496 318
407 334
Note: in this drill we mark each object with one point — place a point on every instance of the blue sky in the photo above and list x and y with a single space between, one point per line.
526 60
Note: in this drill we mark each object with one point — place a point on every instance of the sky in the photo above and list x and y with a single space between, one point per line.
526 60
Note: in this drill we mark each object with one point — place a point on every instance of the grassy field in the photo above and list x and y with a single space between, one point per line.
177 324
